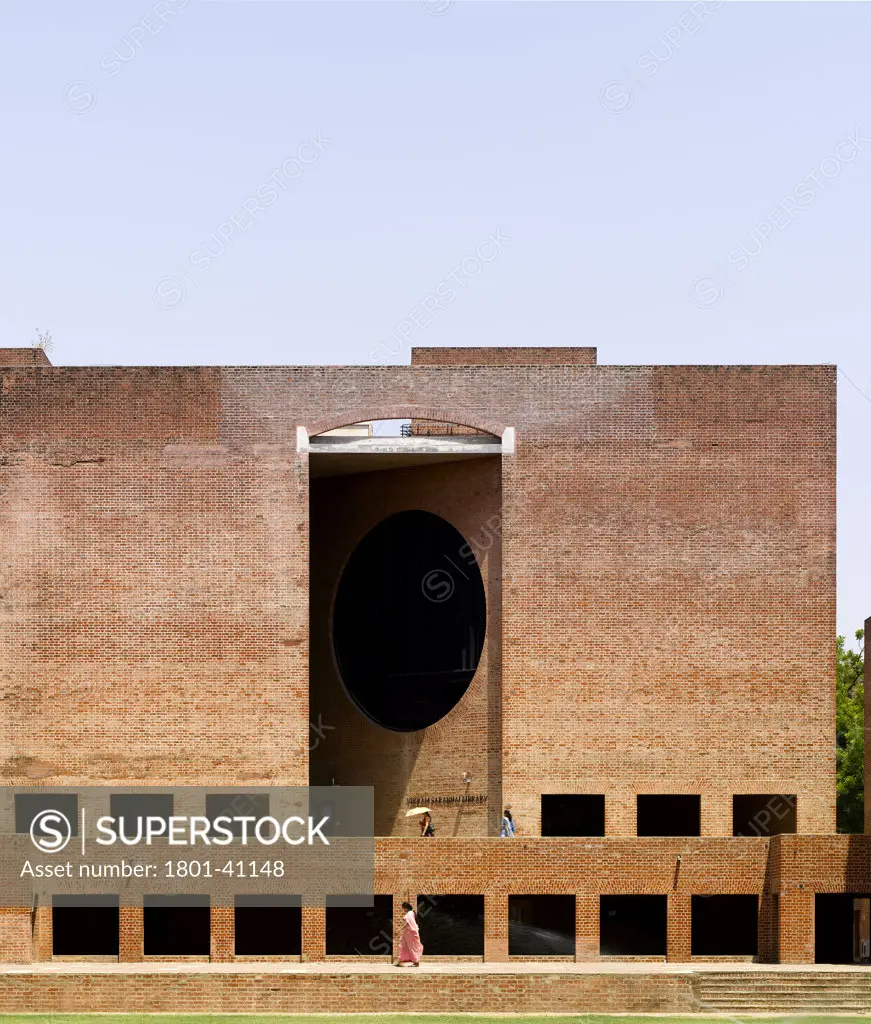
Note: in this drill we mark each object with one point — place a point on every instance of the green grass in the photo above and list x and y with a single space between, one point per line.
401 1018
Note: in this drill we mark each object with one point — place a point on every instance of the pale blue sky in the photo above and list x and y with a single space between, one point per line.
626 152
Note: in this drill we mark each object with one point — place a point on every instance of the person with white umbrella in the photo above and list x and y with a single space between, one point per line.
426 826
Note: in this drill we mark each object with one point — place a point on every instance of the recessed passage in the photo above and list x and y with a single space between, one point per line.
842 928
766 814
363 930
633 925
451 925
176 925
669 815
725 925
572 814
268 925
85 925
541 925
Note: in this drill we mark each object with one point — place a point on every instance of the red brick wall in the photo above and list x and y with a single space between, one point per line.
34 356
668 574
504 356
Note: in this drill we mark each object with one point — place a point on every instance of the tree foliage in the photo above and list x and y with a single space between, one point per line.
850 728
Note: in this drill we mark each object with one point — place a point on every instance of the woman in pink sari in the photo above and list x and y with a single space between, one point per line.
410 946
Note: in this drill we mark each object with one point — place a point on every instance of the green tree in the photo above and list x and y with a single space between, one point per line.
850 729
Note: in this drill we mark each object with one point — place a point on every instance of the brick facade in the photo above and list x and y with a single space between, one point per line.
660 579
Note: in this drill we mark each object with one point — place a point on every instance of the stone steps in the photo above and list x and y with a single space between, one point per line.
738 992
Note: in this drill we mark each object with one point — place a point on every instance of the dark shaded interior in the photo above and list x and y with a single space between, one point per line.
85 926
572 814
633 925
176 925
725 925
268 926
361 931
835 927
451 925
29 805
767 814
669 815
409 620
541 925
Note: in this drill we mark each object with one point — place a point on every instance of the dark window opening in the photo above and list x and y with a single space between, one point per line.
85 926
842 928
176 925
268 926
29 806
365 930
768 814
725 925
409 621
633 925
572 814
669 815
134 808
541 925
451 925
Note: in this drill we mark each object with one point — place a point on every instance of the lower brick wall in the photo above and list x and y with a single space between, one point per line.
784 873
405 992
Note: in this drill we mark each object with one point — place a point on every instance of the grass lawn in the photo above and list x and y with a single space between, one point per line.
401 1018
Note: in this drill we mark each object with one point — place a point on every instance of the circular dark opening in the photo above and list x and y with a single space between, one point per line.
409 621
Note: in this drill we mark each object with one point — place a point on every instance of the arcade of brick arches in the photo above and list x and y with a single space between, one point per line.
600 596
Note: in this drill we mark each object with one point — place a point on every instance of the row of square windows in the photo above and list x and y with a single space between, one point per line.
569 814
453 925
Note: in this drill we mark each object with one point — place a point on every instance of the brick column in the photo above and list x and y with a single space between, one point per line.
586 927
621 817
716 814
496 928
679 941
131 934
767 937
314 933
42 934
796 927
16 939
223 923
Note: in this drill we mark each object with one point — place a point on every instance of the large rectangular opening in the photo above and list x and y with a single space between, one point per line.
842 928
767 814
85 925
633 925
268 926
451 925
541 925
725 925
363 930
176 925
405 627
572 814
669 815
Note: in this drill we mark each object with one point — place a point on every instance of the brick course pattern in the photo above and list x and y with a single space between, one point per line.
660 610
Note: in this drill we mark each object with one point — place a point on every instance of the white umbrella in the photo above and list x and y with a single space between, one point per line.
416 810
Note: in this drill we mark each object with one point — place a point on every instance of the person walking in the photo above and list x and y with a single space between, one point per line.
410 946
509 829
426 826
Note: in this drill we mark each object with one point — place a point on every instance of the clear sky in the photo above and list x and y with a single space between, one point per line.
673 183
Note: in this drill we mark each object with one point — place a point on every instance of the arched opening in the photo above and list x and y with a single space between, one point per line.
409 621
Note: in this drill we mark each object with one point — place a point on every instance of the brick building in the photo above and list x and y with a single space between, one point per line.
600 596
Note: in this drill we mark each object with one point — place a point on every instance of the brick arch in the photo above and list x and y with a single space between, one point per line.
403 412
